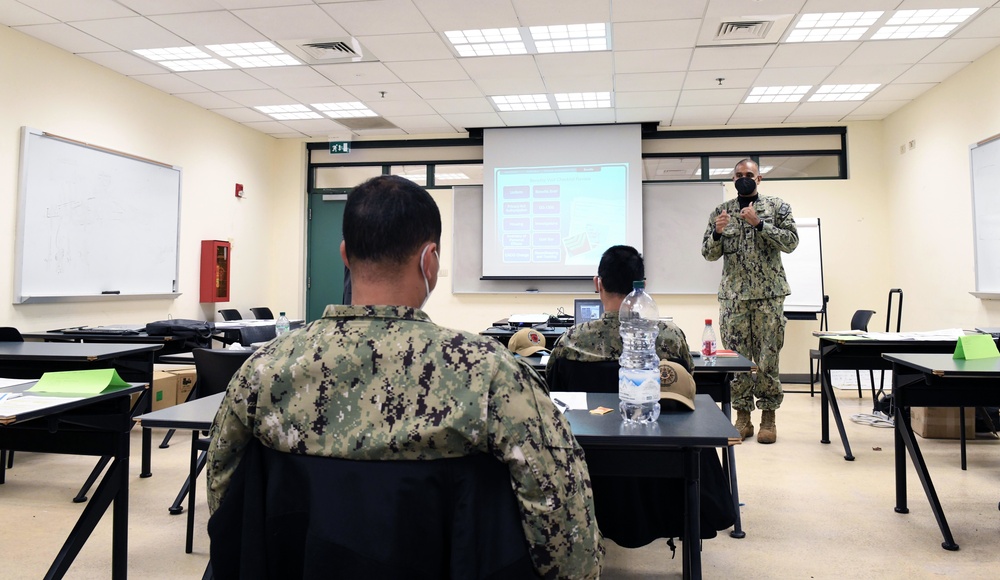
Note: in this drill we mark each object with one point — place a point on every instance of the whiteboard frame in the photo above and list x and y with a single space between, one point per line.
19 263
986 287
797 304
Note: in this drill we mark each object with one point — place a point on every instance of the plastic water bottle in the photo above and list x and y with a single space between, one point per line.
639 375
281 325
708 349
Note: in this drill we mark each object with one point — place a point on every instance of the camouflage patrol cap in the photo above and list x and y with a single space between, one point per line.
526 342
676 384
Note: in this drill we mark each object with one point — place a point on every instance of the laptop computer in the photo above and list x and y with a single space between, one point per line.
587 309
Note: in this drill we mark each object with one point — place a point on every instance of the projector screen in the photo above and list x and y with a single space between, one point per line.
554 198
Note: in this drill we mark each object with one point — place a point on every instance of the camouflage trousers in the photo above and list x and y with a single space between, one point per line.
755 329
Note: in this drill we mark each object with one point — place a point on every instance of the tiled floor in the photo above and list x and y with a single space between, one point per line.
807 512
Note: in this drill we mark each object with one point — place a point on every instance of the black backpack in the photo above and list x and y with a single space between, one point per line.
193 333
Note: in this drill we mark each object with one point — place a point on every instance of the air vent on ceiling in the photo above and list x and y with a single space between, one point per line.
744 30
327 50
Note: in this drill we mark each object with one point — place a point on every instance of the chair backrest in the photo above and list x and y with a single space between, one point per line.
252 334
10 334
304 516
587 377
860 319
215 368
262 313
231 314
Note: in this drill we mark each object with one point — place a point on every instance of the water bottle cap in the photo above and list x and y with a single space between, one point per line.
638 284
708 321
281 314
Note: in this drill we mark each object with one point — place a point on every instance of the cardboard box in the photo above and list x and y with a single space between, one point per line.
164 390
185 382
942 422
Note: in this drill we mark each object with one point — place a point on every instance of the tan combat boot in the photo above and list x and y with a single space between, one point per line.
768 431
743 424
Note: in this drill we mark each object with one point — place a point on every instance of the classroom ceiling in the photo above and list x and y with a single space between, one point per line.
690 63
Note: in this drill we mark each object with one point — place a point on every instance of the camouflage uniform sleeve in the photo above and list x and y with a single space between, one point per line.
548 474
711 249
672 344
230 434
782 233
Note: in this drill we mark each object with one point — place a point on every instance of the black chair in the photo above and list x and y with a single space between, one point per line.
303 516
214 368
8 334
860 322
824 324
230 314
585 377
253 334
262 313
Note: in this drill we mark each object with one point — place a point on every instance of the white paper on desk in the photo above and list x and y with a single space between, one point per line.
11 382
544 360
571 400
944 334
21 405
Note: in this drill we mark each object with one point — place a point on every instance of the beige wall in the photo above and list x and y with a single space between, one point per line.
51 90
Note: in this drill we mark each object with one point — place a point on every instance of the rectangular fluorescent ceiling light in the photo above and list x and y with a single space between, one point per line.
242 55
583 100
923 23
843 92
508 103
487 42
289 112
570 37
788 94
253 54
832 26
344 110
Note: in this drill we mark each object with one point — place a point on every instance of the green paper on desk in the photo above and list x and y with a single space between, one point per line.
973 346
86 382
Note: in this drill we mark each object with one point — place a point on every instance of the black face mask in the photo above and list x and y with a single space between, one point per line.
746 185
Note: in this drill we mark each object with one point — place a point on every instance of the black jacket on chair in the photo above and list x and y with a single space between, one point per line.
300 516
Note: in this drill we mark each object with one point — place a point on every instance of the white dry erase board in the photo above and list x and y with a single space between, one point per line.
804 269
984 161
93 224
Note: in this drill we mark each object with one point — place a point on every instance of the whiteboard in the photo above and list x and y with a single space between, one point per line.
674 218
804 269
93 223
984 160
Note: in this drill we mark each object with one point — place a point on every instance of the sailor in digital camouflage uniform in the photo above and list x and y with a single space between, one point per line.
749 233
600 340
378 380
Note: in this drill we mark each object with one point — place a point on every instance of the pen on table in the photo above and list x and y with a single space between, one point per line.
560 403
8 396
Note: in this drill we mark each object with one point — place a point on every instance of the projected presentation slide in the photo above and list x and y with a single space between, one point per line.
565 215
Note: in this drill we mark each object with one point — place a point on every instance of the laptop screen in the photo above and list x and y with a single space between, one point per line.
585 310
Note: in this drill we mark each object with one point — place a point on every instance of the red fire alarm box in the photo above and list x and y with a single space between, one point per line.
216 258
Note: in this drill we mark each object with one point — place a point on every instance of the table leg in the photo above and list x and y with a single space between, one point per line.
824 407
192 481
832 398
729 465
692 515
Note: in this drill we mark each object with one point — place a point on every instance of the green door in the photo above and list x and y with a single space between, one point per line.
325 269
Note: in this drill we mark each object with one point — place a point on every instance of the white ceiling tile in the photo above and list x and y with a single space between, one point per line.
575 63
151 7
454 106
961 50
209 101
646 99
731 79
776 77
837 108
585 116
273 127
209 28
579 83
639 10
238 4
258 98
930 73
392 92
803 117
124 63
241 114
865 74
69 11
802 54
814 6
717 96
646 115
854 118
756 120
472 120
498 67
14 14
131 33
387 108
983 25
535 13
407 47
879 52
459 15
312 95
665 81
314 127
655 34
529 118
901 92
708 115
883 108
288 77
378 17
742 8
512 86
446 89
223 80
640 61
357 73
170 83
292 22
65 37
415 124
755 112
428 70
723 57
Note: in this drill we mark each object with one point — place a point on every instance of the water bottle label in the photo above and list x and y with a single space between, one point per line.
708 348
638 386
